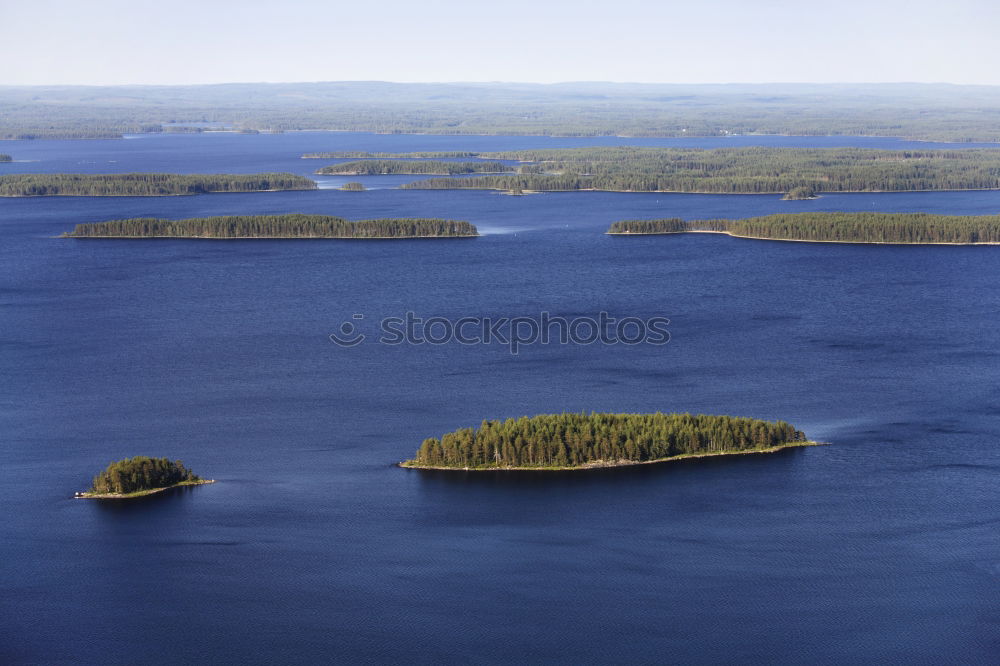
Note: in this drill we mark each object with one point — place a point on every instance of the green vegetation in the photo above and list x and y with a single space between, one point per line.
917 111
836 227
739 170
384 167
353 187
800 193
145 184
666 225
591 440
134 477
362 155
292 225
4 157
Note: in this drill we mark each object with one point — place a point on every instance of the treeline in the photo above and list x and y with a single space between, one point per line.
293 225
754 170
836 227
141 473
385 167
573 440
361 155
665 225
64 126
145 184
4 157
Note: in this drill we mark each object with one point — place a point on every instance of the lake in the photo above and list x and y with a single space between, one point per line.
313 547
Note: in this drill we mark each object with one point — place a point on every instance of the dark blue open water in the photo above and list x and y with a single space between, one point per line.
313 547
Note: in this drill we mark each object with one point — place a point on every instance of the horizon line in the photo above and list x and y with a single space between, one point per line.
504 82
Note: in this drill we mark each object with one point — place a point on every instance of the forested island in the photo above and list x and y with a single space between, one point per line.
291 225
140 476
411 167
363 155
580 441
893 228
146 184
801 193
799 172
4 157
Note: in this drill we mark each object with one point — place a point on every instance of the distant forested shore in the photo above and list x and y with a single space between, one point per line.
756 170
915 111
579 441
146 184
411 167
901 228
292 225
4 157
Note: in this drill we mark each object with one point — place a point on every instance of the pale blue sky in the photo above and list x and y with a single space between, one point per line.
207 41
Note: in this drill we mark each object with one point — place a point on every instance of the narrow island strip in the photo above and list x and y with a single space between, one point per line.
291 225
411 168
570 441
4 157
366 155
140 476
146 184
870 228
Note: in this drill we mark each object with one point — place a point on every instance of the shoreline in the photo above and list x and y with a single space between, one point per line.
735 194
140 493
783 240
267 237
435 175
607 464
173 194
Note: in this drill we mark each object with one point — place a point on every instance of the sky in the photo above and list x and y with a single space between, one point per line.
698 41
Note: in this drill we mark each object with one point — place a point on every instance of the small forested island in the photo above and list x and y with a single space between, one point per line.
582 441
140 476
889 228
411 167
353 187
146 184
796 172
361 155
291 225
800 193
4 157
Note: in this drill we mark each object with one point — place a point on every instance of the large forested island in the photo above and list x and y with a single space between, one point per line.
411 167
892 228
145 184
140 476
291 225
580 441
802 171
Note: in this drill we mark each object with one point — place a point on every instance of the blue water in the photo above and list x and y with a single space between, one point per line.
313 547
